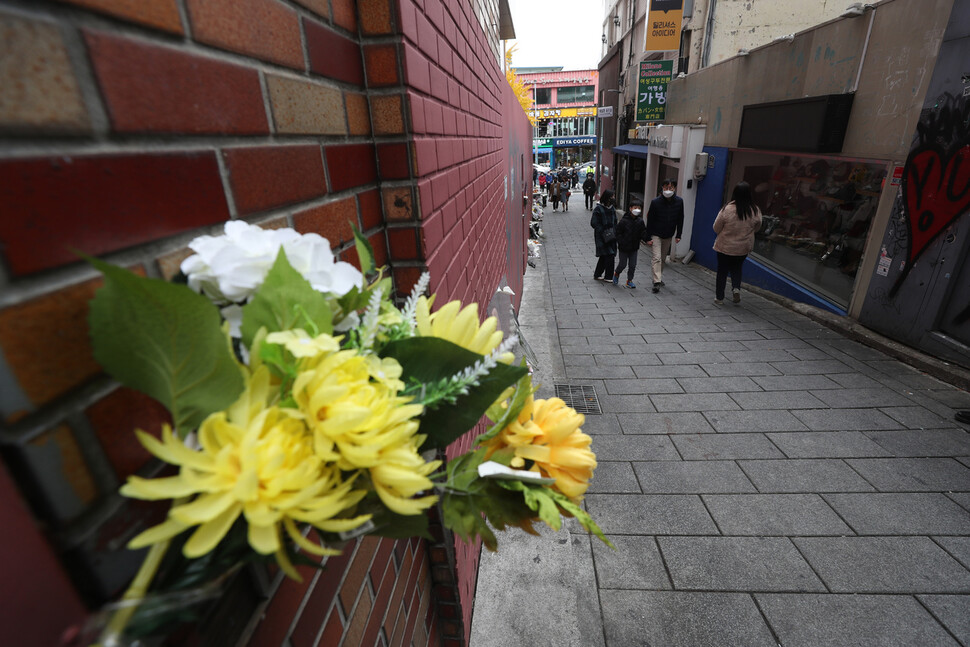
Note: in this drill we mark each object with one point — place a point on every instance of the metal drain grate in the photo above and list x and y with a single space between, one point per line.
581 397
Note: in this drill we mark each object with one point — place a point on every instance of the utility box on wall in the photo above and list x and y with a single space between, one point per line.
700 165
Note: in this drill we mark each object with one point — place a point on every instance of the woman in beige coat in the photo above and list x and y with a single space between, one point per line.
735 226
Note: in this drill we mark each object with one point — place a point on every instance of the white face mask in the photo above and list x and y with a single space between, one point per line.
668 193
635 212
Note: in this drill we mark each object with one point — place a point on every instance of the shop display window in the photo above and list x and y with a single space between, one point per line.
816 215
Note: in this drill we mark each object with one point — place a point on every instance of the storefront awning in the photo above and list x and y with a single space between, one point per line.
632 150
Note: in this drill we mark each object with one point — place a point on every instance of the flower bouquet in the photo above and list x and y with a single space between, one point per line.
302 399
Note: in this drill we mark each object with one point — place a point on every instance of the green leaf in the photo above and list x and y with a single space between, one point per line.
285 301
523 389
449 421
540 498
165 341
364 251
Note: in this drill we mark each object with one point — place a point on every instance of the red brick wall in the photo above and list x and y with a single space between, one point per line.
127 129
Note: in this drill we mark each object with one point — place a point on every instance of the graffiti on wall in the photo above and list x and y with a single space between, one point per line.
936 177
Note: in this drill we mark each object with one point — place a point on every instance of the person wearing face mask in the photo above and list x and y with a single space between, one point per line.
665 221
735 226
629 232
604 220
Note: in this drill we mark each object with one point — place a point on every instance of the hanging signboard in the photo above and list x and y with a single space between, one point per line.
652 89
605 112
663 25
547 113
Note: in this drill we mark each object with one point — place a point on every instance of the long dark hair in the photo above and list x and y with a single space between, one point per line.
606 198
743 202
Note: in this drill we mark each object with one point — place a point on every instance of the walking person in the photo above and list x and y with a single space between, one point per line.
589 191
665 221
542 182
564 195
630 231
574 178
554 190
735 226
603 222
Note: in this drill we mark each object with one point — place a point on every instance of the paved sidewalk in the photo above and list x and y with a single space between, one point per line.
765 480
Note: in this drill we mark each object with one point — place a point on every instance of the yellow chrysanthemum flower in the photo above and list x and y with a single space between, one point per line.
549 433
351 403
460 326
255 460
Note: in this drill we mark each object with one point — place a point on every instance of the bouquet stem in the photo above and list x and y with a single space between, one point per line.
136 591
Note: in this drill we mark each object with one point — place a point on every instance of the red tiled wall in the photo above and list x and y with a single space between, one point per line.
131 128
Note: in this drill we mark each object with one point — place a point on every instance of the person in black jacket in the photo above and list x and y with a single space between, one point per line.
589 190
603 218
665 220
629 232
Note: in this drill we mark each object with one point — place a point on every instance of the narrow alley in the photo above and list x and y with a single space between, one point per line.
764 479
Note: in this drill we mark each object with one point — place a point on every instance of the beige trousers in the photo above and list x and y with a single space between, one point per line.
661 247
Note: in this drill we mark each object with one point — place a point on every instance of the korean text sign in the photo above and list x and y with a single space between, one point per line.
652 89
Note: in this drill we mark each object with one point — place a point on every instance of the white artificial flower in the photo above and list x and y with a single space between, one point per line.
232 267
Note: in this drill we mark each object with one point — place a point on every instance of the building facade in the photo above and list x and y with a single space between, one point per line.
130 128
852 135
564 114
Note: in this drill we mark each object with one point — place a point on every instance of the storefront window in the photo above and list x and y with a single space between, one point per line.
575 94
816 215
543 96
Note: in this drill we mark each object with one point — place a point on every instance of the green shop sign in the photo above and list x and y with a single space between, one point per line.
652 89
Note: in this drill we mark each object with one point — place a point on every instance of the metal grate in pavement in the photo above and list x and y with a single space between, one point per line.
581 397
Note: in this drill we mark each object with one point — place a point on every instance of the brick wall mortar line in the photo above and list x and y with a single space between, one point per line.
298 612
267 104
89 446
227 183
56 412
87 84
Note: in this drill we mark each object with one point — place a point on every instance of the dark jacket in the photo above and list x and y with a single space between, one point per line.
629 232
665 218
602 218
589 186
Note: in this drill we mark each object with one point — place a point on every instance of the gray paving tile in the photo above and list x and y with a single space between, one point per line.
759 356
691 358
580 372
915 417
673 338
640 514
818 367
913 474
803 475
963 498
911 442
786 344
602 424
687 422
958 547
774 515
856 381
860 398
712 346
673 370
827 444
857 351
738 335
737 564
663 349
884 565
952 397
846 419
901 514
761 420
814 620
642 386
627 403
635 448
740 368
718 384
634 360
590 349
795 382
809 354
635 564
691 477
615 477
953 611
694 402
580 360
706 447
777 400
645 618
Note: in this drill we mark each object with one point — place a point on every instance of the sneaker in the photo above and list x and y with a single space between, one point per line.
719 302
656 288
631 284
736 295
616 279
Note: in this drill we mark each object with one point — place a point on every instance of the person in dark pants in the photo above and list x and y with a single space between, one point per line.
603 218
665 221
735 225
589 190
630 232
